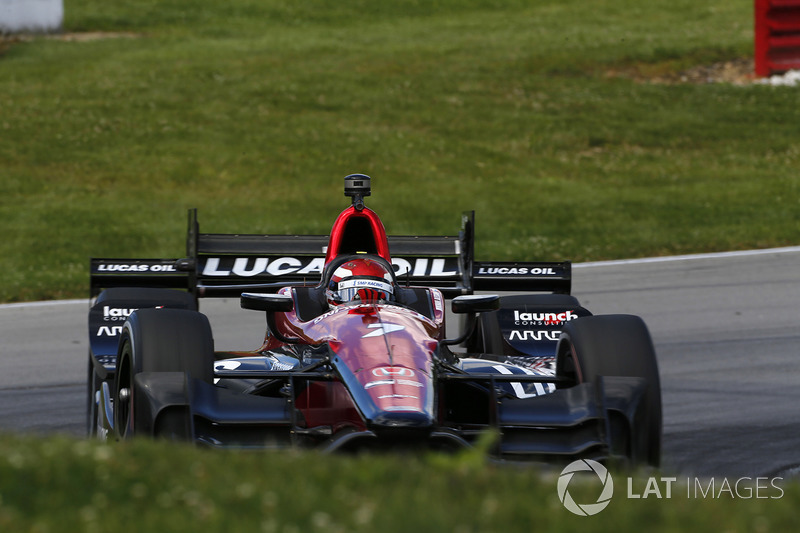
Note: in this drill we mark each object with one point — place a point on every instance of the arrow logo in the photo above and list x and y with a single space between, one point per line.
382 329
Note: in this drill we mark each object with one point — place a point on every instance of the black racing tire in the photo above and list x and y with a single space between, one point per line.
160 340
616 345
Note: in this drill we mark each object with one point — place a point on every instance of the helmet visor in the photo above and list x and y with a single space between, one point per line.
364 289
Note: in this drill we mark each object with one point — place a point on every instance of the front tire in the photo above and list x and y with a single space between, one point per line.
160 340
616 345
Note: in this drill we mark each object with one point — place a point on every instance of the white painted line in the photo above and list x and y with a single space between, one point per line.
690 257
46 303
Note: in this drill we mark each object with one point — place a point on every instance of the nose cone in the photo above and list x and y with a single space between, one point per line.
402 396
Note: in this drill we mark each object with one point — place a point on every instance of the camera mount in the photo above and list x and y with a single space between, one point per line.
357 187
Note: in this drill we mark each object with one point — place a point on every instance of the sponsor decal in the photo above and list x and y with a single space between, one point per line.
269 363
534 335
365 284
392 371
543 319
393 382
109 331
517 271
409 382
379 383
382 329
330 313
122 267
117 313
247 267
519 390
424 267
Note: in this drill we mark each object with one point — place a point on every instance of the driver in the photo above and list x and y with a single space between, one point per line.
364 280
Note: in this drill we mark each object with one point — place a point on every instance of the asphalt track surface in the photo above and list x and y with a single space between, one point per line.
726 329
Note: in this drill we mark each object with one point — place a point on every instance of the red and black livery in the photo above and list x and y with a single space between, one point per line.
554 381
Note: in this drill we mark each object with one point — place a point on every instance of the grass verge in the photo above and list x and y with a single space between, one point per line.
67 485
253 111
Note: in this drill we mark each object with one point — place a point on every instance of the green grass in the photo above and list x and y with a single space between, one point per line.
254 111
66 485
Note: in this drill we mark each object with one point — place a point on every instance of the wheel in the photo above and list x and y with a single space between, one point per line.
160 340
616 345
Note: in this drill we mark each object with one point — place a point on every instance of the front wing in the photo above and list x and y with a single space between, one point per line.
581 421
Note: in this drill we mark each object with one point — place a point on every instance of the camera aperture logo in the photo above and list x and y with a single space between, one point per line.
585 466
744 488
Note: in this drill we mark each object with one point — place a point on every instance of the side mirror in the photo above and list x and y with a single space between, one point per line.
472 304
271 303
276 303
476 303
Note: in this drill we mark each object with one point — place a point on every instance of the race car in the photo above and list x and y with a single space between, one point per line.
356 354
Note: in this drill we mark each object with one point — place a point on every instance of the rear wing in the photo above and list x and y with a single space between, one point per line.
225 265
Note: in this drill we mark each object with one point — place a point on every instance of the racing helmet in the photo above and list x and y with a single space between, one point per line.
360 279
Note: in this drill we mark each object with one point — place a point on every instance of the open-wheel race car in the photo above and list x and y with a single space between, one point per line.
356 354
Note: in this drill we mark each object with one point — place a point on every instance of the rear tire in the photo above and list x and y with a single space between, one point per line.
616 345
160 340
